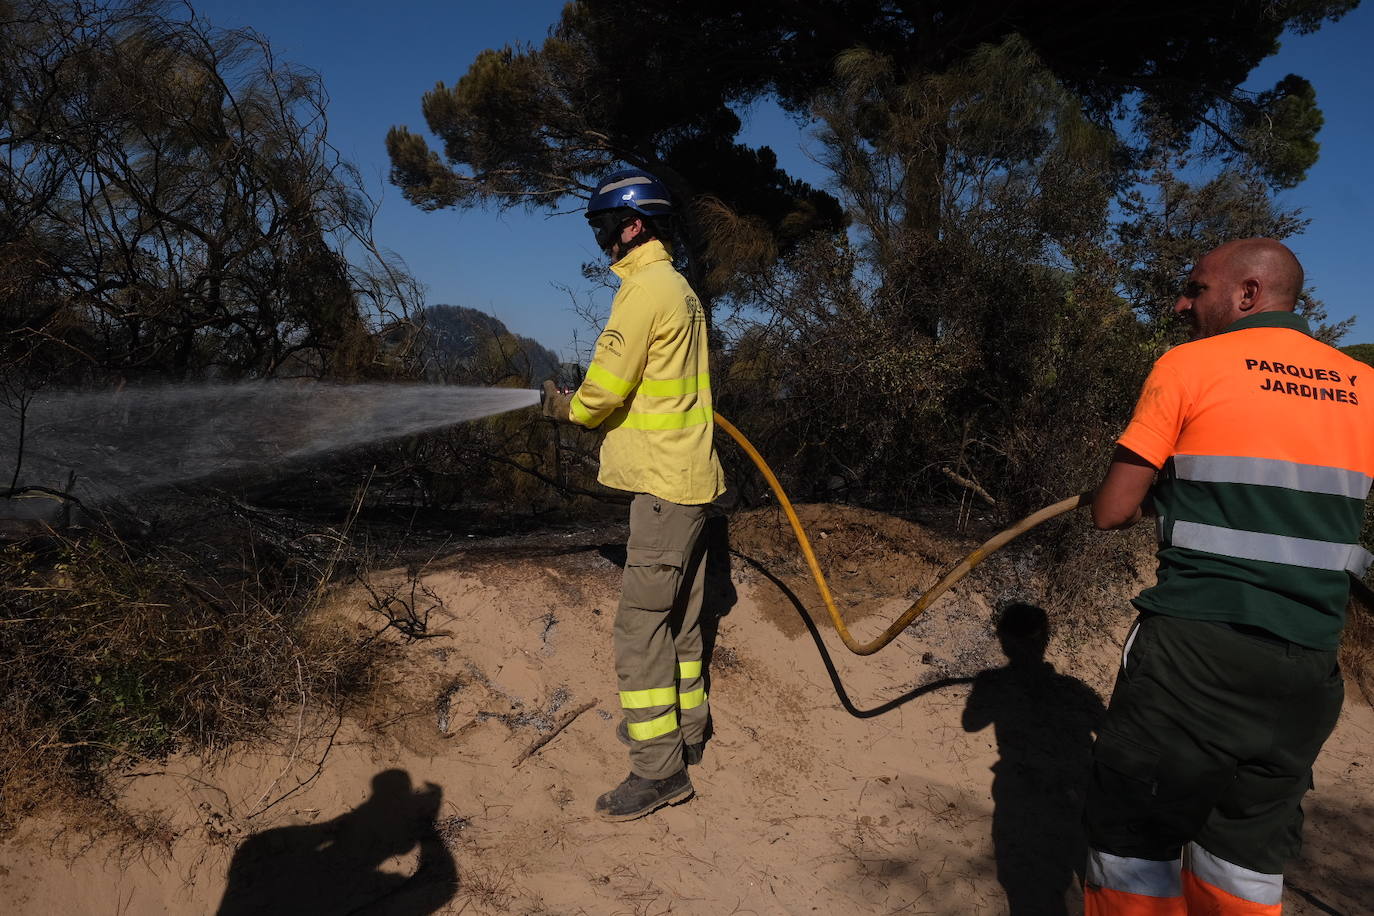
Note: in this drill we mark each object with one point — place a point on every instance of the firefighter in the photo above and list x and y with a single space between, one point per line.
1254 446
649 388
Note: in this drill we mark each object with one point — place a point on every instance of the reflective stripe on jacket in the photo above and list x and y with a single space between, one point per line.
649 386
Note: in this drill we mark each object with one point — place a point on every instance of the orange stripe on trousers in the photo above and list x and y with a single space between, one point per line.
1104 901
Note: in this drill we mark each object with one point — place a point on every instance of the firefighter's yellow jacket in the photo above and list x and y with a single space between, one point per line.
649 386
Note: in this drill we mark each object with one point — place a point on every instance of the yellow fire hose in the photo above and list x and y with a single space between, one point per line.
927 599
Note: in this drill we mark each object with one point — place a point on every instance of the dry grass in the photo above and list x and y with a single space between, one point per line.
123 649
489 890
1357 644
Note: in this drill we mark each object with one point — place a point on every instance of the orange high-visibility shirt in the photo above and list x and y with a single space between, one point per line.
1265 439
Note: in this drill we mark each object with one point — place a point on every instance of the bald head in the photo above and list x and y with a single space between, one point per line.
1268 265
1240 278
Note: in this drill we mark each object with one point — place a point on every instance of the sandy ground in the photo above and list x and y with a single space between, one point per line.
934 777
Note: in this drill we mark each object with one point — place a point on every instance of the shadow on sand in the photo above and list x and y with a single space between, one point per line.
1044 723
718 588
341 866
835 682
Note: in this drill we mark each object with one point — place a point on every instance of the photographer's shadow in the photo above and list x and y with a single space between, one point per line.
1044 723
337 867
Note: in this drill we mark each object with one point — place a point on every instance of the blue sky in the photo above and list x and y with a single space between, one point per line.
377 60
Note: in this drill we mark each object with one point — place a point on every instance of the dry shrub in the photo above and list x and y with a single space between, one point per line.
121 649
1357 643
736 244
1092 575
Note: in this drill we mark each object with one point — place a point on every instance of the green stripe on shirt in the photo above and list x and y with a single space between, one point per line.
1273 510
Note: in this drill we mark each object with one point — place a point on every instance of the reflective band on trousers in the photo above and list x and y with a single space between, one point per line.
1271 548
662 725
1135 876
694 417
692 698
1270 472
688 670
647 699
1257 887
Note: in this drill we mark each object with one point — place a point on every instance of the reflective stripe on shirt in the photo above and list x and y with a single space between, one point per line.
1270 472
604 378
654 388
1270 548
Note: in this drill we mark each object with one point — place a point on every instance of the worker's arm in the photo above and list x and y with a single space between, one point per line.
618 363
1123 498
1149 440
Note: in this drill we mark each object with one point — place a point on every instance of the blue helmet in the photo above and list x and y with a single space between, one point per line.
632 189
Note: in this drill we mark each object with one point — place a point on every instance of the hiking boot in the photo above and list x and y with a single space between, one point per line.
692 753
637 796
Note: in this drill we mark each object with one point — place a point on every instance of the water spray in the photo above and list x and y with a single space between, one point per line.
123 441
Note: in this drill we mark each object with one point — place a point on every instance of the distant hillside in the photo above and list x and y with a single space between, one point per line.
1363 352
467 342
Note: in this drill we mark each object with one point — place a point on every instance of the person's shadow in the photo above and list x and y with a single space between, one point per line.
1044 723
336 868
712 550
719 589
719 594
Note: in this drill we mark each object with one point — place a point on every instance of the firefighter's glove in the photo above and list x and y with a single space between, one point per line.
554 403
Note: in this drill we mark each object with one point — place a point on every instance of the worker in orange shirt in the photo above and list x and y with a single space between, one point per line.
1254 446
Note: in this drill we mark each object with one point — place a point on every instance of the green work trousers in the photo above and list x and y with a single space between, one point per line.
1210 739
658 645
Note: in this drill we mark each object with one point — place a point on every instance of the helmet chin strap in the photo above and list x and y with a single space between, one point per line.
620 249
608 232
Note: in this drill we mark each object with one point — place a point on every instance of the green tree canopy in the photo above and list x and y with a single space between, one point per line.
1010 173
1364 352
169 205
652 84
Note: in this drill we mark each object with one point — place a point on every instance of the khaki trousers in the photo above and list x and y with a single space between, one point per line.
658 642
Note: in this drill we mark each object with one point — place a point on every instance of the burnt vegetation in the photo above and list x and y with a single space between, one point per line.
170 210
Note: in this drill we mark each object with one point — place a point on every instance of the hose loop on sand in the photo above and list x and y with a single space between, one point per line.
965 565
